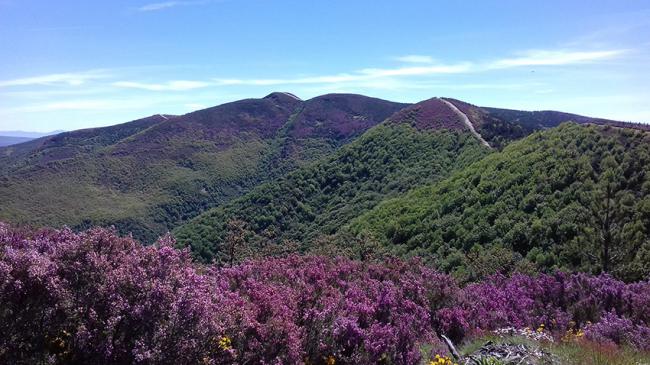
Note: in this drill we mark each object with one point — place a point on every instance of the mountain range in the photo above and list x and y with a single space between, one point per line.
8 138
442 179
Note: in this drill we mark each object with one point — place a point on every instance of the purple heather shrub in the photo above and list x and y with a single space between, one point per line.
452 322
619 330
359 313
94 297
559 302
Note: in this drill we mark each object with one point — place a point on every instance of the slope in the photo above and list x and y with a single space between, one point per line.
40 151
501 126
573 197
419 144
147 176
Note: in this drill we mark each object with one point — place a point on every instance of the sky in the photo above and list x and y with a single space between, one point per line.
68 65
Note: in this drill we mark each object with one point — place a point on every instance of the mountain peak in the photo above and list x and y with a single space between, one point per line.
429 114
282 96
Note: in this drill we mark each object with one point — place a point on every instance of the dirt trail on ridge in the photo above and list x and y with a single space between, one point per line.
467 122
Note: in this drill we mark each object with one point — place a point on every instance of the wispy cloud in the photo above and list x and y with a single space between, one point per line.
169 4
415 59
422 65
65 105
418 70
72 79
79 105
430 68
177 85
360 75
159 6
553 58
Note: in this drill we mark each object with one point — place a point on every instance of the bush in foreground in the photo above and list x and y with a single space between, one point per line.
93 297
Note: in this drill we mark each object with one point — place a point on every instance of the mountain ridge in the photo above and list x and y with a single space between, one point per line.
150 175
146 175
323 197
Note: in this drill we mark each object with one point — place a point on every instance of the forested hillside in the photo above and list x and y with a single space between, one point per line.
319 199
152 175
417 145
147 176
574 197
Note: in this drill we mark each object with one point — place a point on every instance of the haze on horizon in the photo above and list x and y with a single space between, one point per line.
70 65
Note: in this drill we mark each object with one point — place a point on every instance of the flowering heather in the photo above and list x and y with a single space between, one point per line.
558 302
93 297
429 114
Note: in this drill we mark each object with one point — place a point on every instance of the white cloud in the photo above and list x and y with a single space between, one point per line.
415 59
300 80
64 105
159 6
529 58
360 75
169 4
417 70
76 105
72 79
553 58
177 85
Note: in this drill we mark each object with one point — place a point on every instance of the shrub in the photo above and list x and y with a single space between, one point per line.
619 330
94 297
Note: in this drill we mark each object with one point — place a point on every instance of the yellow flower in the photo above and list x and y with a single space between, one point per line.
572 335
442 360
225 343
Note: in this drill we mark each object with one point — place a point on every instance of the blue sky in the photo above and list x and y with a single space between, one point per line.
76 64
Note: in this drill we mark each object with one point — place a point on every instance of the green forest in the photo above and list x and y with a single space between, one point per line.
574 197
320 198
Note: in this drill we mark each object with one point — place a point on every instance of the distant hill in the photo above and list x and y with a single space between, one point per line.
31 135
420 144
154 174
149 175
8 138
501 126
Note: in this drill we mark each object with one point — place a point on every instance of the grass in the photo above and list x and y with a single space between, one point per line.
589 353
581 352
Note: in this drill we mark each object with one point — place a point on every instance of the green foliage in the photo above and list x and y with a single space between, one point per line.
557 198
142 197
320 198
